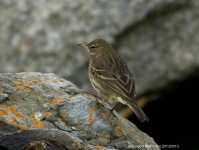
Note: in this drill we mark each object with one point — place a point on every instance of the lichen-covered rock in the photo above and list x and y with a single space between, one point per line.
35 100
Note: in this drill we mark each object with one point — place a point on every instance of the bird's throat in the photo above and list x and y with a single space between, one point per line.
92 55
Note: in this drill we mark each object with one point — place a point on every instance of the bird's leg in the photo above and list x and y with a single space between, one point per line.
114 107
111 110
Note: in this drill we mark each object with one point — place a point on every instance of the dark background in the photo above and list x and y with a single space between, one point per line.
173 117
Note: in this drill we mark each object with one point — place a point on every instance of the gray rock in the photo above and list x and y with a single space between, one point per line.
163 48
157 38
39 100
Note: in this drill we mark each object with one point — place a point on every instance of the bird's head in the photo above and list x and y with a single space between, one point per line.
97 47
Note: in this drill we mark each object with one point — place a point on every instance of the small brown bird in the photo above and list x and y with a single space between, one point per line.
110 76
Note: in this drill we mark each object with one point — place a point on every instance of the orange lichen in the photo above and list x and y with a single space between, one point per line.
26 116
39 124
95 106
119 133
59 119
33 127
18 115
11 109
25 109
110 119
92 111
25 84
16 106
104 114
135 129
55 76
104 122
102 137
24 80
59 98
34 118
78 123
144 135
19 91
17 82
121 124
63 112
22 127
4 107
27 90
125 119
54 81
116 128
9 102
20 87
48 99
55 102
25 76
87 96
123 131
99 146
90 120
46 114
61 81
47 79
34 83
134 137
140 142
130 129
75 96
13 122
4 113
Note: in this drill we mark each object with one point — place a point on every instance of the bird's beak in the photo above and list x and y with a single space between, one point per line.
83 45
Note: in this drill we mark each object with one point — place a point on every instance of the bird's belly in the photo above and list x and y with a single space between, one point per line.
100 88
119 99
107 94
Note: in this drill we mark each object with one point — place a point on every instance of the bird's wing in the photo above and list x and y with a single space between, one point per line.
122 84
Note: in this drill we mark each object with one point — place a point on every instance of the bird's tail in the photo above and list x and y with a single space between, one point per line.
138 111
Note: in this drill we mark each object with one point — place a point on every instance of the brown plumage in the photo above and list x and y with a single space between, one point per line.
111 77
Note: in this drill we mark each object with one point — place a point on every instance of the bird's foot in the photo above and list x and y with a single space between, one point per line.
111 111
95 95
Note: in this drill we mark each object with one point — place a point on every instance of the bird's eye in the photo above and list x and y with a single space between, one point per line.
92 47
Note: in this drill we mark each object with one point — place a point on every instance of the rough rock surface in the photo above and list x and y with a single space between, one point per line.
158 38
67 118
